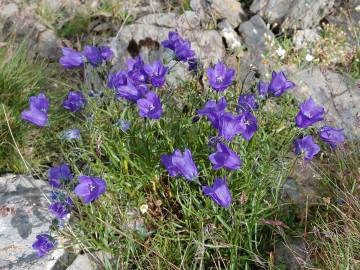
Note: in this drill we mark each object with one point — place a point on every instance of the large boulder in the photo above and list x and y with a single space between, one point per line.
293 14
23 215
230 10
338 94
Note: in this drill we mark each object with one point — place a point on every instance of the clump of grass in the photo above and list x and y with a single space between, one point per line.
335 224
20 77
181 227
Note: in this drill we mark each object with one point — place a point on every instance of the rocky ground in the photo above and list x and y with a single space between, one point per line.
259 35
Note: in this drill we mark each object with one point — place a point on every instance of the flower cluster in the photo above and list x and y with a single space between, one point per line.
133 85
89 189
94 55
308 115
138 84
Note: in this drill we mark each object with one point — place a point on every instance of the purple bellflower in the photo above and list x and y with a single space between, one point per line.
309 114
332 136
225 158
106 53
136 72
74 101
59 175
247 103
93 55
220 77
178 163
44 244
131 92
60 210
230 125
263 89
250 123
156 73
214 110
150 106
117 79
71 58
179 46
37 113
90 188
219 192
280 84
306 147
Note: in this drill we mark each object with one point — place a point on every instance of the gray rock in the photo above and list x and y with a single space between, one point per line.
293 14
305 14
255 34
230 10
274 11
8 10
232 39
23 215
82 262
303 38
293 254
338 94
198 7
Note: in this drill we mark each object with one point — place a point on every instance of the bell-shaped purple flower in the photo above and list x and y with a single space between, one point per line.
214 110
309 114
332 136
178 163
220 77
179 46
279 84
90 188
44 244
247 103
74 101
306 147
40 102
136 72
219 192
250 123
106 53
117 79
60 175
225 158
35 117
230 126
156 73
37 113
131 92
59 210
173 39
71 58
150 106
93 55
183 51
194 65
263 89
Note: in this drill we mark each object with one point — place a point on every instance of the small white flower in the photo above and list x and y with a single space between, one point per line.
357 8
280 52
144 208
309 57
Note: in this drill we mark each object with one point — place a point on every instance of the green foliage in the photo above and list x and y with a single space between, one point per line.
20 77
182 226
77 26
